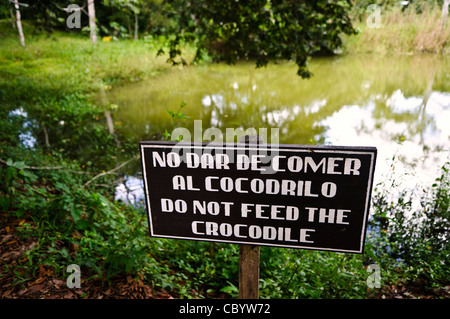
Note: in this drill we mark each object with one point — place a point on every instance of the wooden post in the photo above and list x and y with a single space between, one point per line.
248 272
249 254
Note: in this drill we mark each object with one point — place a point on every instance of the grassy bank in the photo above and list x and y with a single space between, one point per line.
401 31
57 202
72 64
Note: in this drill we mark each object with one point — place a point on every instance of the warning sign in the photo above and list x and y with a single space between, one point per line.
310 197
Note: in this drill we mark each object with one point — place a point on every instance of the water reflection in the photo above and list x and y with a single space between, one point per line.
420 150
131 191
26 137
401 105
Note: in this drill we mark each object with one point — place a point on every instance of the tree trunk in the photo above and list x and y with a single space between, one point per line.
130 33
444 13
19 23
47 143
136 26
13 23
92 25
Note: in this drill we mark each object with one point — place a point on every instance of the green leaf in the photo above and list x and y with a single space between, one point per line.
230 289
19 165
5 202
166 134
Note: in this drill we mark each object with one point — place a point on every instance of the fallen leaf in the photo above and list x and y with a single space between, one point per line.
45 272
20 293
35 288
38 281
7 237
5 256
68 296
6 294
59 283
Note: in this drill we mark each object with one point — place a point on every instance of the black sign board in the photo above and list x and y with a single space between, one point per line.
310 197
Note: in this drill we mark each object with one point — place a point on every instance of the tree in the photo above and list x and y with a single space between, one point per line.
445 5
126 7
19 23
263 30
92 24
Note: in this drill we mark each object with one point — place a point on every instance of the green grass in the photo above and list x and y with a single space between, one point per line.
69 63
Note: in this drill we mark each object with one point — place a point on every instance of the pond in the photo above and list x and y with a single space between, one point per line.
399 104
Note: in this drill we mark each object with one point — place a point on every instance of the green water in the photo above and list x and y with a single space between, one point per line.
399 104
